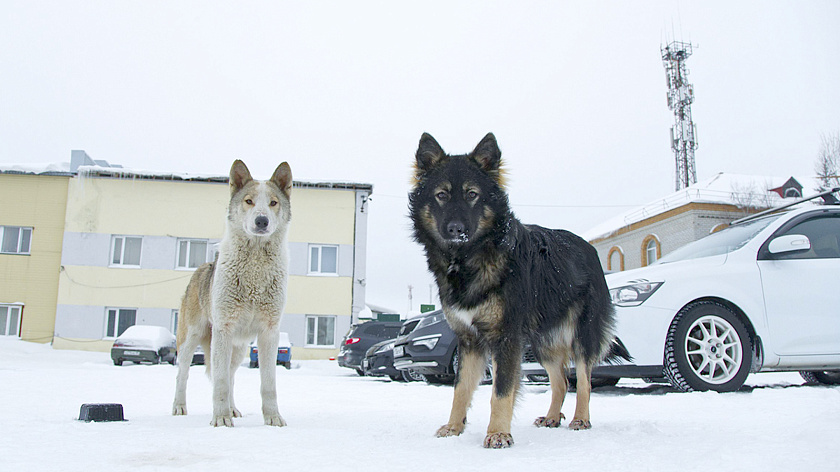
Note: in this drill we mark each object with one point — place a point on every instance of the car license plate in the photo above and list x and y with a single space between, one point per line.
399 351
131 353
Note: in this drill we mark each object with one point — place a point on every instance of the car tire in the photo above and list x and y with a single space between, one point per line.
487 379
118 361
825 377
435 379
360 372
598 382
707 348
410 375
538 378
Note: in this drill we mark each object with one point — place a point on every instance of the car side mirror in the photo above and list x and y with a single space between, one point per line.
789 243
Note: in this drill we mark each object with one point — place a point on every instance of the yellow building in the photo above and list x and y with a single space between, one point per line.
31 229
131 241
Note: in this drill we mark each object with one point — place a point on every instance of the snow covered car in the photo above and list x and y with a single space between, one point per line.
144 344
284 353
758 296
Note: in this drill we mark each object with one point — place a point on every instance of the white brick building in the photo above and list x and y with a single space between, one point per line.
643 235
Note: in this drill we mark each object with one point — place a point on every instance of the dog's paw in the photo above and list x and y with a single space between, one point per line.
579 425
222 421
235 413
449 430
544 422
498 440
275 420
179 410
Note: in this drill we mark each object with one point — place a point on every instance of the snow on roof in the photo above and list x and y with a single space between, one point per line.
731 189
64 168
36 169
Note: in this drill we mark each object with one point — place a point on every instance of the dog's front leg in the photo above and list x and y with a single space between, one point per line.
238 355
471 363
506 366
267 342
220 358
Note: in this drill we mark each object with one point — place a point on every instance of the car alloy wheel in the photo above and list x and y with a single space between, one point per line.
708 348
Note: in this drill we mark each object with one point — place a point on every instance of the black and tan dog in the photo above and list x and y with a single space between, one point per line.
503 283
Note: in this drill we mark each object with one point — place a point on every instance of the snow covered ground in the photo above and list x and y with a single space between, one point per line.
338 420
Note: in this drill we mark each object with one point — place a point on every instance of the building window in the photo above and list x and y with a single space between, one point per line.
119 319
323 260
320 331
651 250
10 320
615 259
15 239
125 251
192 253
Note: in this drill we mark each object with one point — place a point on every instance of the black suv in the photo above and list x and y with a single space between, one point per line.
430 348
362 336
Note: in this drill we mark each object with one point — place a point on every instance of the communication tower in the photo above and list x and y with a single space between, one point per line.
680 98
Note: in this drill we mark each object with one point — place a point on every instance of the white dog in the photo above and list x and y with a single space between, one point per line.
241 295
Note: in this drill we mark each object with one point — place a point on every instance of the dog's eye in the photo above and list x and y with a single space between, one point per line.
249 201
443 196
273 203
472 194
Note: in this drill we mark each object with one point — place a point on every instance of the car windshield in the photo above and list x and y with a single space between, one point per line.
722 242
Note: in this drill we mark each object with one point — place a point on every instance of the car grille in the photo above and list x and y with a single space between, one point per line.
528 354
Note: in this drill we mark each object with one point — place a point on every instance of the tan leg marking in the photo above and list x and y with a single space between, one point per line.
559 387
471 366
584 388
501 415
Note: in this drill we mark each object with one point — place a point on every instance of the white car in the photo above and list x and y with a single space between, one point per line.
761 295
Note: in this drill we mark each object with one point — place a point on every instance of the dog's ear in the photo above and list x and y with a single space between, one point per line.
239 176
282 178
489 157
429 153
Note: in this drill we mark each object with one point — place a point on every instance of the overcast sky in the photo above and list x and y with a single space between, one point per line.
574 91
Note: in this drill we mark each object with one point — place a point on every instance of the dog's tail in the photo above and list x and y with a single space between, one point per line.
617 352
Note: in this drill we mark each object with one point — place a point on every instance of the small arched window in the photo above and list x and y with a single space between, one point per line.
651 250
615 259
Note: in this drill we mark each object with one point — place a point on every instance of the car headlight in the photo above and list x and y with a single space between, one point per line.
634 293
428 341
430 320
386 347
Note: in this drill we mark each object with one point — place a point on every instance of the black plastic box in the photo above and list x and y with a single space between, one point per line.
101 412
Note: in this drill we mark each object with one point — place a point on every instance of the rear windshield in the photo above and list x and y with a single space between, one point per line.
722 242
381 330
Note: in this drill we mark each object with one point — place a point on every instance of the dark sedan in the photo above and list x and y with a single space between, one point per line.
361 337
431 349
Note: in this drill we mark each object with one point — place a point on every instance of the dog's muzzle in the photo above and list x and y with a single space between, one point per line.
261 224
457 232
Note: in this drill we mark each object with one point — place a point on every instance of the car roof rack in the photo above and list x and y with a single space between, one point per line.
827 197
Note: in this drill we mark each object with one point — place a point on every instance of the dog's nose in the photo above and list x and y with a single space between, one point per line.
261 222
455 229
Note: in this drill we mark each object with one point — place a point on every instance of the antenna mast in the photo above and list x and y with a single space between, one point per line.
680 98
